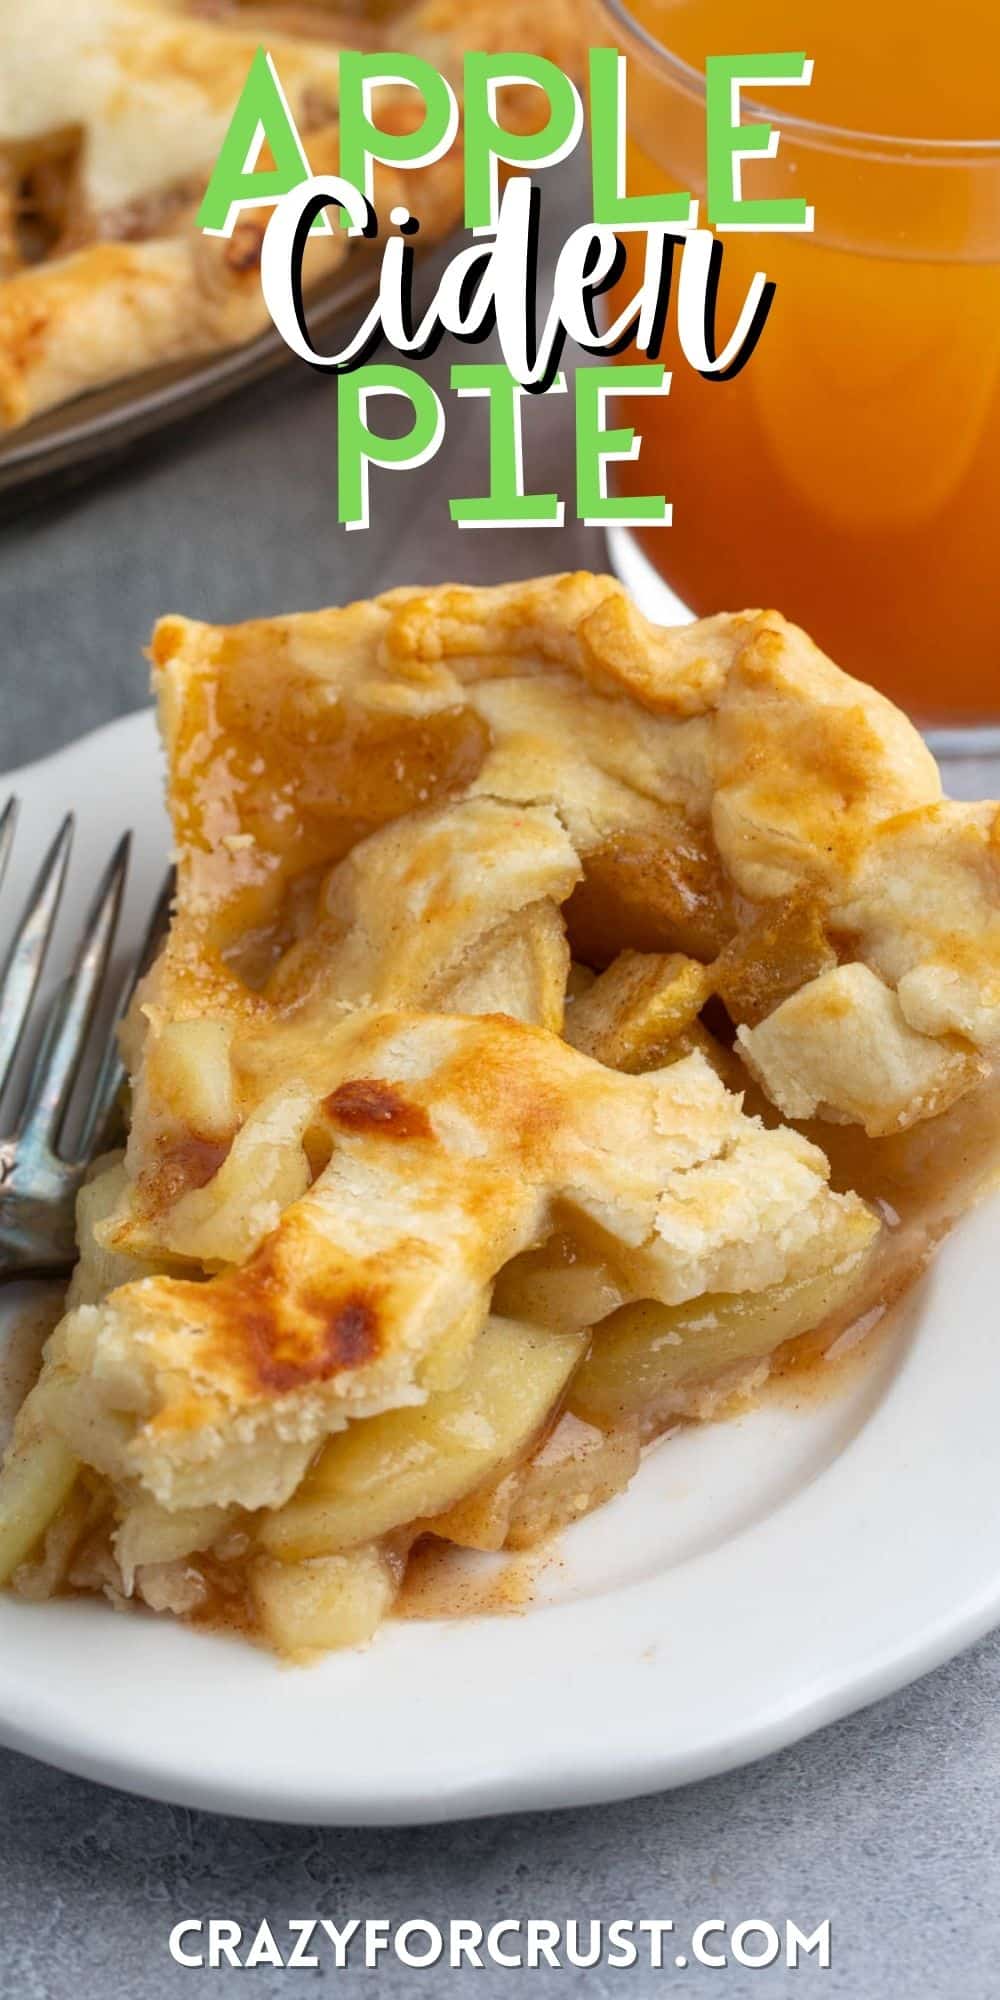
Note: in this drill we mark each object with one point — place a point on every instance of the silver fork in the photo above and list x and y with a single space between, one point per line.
41 1168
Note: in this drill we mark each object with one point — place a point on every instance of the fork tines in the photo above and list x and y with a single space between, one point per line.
37 1129
60 1054
111 1072
27 954
8 822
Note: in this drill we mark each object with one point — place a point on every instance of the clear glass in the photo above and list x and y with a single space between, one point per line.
850 475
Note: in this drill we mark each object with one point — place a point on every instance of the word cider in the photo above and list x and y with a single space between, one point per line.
492 284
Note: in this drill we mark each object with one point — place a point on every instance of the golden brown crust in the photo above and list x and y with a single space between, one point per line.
126 281
706 774
392 1252
353 1105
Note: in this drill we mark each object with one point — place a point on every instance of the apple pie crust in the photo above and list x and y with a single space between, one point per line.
560 1016
112 113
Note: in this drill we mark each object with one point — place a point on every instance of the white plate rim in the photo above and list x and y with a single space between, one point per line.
883 1566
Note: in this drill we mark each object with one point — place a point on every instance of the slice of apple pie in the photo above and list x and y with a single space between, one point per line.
561 1018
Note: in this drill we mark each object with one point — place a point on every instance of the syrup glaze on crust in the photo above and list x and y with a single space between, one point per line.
703 774
361 1093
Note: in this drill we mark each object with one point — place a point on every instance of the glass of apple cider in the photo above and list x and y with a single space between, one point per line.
850 474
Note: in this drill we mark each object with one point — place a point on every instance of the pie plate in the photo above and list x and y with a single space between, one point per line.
761 1577
76 438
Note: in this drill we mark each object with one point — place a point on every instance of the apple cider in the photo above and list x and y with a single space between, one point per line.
850 474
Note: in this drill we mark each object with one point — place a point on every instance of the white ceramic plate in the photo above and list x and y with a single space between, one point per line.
760 1578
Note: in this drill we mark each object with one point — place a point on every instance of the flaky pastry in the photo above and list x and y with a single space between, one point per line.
508 930
112 113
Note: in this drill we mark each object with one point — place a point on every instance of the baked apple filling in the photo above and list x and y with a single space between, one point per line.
562 1022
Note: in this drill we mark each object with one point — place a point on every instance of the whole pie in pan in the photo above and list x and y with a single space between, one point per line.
112 113
564 1022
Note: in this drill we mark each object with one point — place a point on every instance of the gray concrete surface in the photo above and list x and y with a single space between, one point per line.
886 1823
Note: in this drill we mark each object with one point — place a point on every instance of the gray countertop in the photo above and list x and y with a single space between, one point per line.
886 1823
